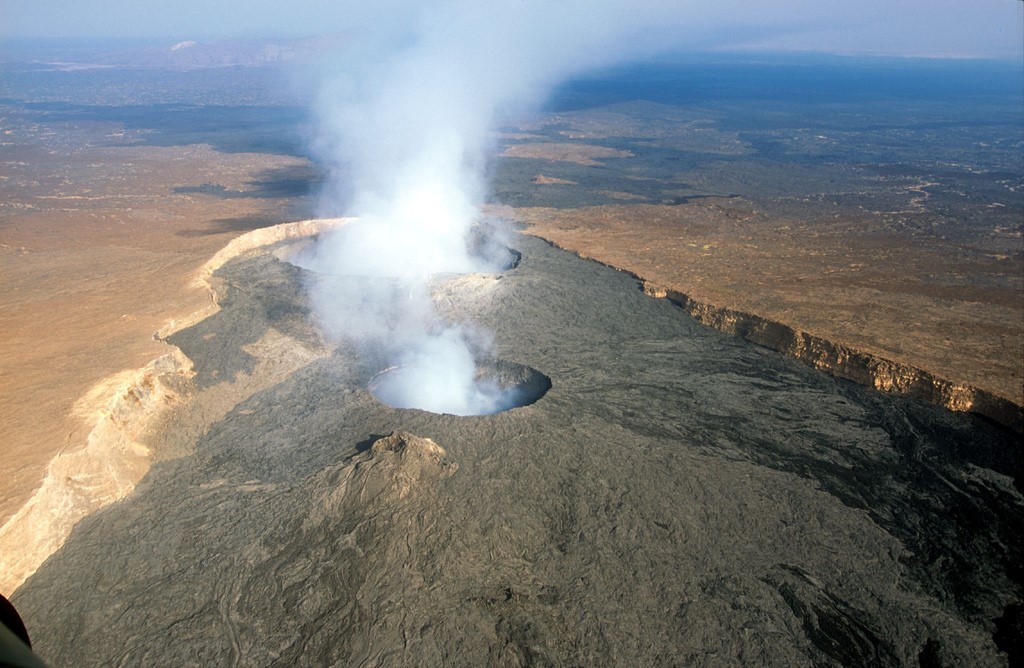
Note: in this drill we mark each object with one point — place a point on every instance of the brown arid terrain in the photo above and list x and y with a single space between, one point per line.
879 240
677 497
844 280
582 154
99 251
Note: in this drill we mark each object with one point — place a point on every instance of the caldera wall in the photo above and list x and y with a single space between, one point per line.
845 362
120 412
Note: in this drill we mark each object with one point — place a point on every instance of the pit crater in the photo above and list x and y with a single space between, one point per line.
497 386
485 252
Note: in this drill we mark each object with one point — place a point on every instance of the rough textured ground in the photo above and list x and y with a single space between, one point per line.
890 224
678 497
948 306
99 242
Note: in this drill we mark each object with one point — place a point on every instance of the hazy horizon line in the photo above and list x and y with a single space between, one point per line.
13 49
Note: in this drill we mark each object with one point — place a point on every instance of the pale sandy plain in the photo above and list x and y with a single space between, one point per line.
97 253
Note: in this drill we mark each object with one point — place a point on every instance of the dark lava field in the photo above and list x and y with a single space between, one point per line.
677 497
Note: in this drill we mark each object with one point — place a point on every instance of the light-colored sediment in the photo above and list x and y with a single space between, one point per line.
109 465
265 237
544 180
589 155
98 247
123 410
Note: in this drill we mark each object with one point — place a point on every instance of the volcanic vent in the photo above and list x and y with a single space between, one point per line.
481 252
497 386
403 310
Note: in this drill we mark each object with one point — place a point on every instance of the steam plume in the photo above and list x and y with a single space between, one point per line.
406 128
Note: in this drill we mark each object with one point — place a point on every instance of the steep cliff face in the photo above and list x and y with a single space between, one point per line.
265 237
845 362
113 460
947 305
122 410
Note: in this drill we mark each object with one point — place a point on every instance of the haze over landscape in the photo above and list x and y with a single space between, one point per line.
323 280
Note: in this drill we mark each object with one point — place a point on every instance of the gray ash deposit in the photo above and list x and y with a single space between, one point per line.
678 497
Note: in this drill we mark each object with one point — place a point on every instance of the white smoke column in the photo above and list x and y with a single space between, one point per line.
408 135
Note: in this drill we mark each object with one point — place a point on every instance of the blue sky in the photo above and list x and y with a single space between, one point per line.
949 28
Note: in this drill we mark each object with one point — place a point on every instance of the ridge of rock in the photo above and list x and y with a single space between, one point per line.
122 407
833 357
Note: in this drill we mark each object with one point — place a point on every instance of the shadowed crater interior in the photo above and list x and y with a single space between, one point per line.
497 386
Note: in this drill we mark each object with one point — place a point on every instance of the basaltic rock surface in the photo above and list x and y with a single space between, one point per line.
679 496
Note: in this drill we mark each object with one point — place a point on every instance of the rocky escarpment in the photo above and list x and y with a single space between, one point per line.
862 303
121 412
265 236
836 358
845 362
113 459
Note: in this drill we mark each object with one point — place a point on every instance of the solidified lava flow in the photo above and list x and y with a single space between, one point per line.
684 498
